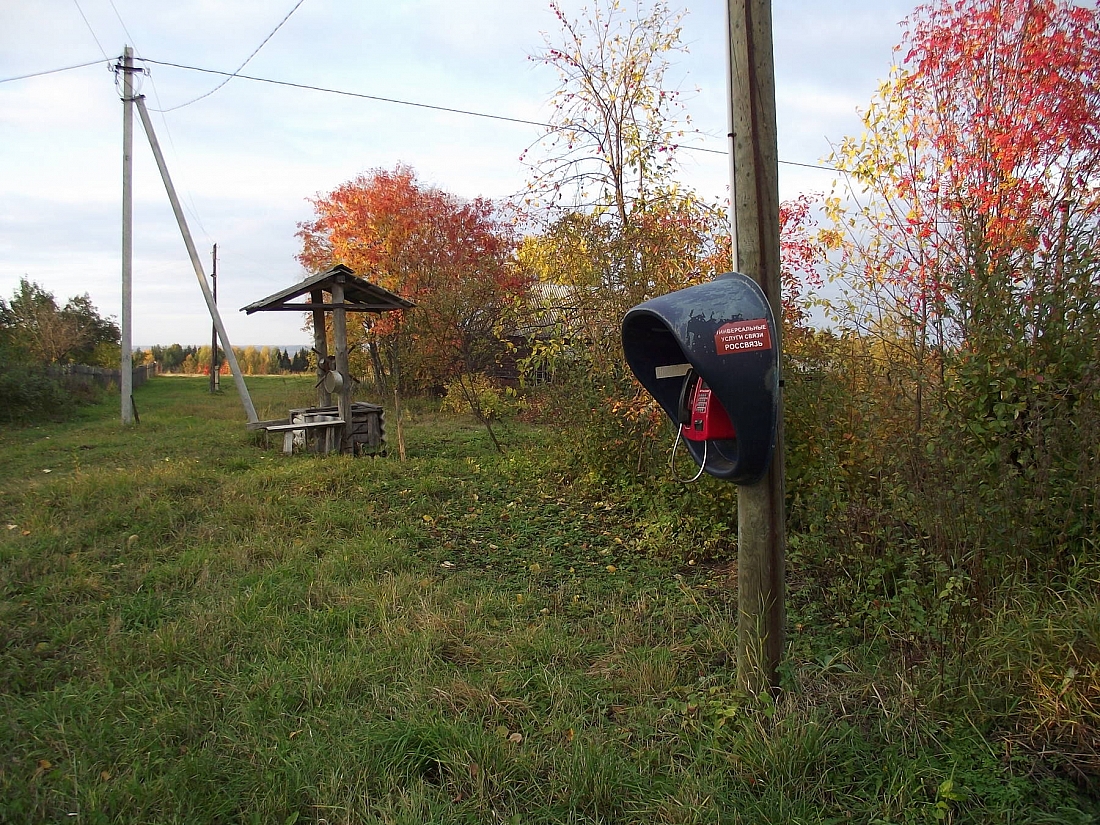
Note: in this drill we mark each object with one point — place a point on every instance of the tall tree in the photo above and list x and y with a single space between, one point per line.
976 253
614 121
604 268
616 228
49 334
452 257
980 163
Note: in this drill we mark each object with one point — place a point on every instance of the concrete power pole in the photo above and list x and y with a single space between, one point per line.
126 363
754 191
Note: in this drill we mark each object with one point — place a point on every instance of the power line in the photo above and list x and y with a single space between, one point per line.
358 95
377 98
52 71
806 165
122 22
190 206
784 162
415 104
246 62
90 29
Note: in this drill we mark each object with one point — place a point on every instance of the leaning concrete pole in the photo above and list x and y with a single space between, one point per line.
761 531
215 384
238 377
126 363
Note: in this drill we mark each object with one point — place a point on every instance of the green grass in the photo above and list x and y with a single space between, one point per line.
195 628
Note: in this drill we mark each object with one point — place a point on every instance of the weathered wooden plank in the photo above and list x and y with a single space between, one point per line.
305 425
340 344
263 425
320 347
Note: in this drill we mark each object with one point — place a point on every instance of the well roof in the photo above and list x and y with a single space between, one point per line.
360 295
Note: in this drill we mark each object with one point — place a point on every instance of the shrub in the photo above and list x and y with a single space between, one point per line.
28 394
479 395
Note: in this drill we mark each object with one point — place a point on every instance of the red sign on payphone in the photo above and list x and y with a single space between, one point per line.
743 336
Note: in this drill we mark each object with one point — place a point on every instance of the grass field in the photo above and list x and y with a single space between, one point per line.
195 628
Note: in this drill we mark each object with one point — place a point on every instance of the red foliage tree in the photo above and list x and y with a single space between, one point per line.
978 183
1008 92
980 165
450 256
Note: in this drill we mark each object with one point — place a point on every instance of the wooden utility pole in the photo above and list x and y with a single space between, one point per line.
126 362
340 344
181 221
320 347
214 380
754 190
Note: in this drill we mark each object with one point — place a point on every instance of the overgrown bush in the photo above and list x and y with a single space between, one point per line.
28 394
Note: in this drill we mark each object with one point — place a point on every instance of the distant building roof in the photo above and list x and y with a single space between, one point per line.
553 309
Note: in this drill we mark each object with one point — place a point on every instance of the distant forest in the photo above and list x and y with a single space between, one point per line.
192 360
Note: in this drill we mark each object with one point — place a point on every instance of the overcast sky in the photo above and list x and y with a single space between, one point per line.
247 158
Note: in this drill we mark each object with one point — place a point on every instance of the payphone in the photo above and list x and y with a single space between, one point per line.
709 355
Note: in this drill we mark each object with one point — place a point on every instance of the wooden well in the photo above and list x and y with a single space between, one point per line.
346 292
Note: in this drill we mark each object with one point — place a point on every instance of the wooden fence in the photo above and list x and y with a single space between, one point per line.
80 374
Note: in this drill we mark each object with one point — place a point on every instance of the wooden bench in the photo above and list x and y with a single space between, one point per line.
288 428
252 426
364 435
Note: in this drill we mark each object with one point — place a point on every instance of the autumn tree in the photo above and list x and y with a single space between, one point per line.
614 130
611 224
605 268
46 333
171 357
979 165
974 248
591 272
450 256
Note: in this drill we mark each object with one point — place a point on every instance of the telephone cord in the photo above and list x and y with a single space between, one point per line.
672 460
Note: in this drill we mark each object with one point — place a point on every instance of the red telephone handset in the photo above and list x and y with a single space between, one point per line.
706 419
